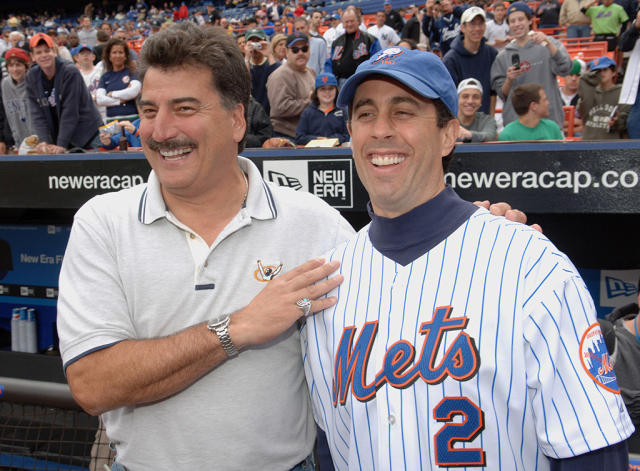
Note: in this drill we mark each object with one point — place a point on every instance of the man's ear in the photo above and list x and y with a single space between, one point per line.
448 137
239 122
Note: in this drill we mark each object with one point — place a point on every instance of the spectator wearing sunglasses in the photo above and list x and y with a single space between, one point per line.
289 87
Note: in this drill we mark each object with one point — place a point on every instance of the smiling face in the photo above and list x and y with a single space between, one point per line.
397 146
474 30
469 101
327 95
189 138
519 24
17 69
44 56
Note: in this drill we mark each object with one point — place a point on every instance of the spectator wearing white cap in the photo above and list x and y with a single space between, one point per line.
476 126
470 56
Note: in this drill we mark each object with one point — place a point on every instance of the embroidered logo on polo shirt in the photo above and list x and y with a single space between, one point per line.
266 273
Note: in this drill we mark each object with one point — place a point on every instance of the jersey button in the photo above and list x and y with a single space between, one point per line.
392 419
192 235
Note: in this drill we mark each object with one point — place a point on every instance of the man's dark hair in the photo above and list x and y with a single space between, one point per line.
523 95
102 36
185 44
107 51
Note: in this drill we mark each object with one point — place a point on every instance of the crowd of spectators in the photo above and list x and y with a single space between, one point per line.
72 83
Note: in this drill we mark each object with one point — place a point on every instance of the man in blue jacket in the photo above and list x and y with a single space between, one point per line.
63 113
470 56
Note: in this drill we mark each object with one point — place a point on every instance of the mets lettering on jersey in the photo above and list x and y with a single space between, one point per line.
483 352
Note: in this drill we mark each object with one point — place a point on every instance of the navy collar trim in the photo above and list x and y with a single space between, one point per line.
407 237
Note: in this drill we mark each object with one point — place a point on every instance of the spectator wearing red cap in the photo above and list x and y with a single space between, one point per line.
14 95
63 113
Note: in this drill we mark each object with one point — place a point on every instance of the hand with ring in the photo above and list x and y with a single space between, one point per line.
286 298
305 305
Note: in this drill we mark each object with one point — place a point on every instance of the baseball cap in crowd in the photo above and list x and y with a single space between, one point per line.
387 2
603 62
469 83
335 16
407 67
470 13
17 53
255 33
78 49
577 67
39 37
297 37
519 6
326 79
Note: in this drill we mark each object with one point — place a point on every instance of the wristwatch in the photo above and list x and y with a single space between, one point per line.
221 328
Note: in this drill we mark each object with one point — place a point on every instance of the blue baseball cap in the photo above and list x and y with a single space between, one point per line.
423 72
603 62
78 49
326 79
519 6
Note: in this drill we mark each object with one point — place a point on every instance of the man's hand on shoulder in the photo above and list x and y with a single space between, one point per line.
274 309
505 209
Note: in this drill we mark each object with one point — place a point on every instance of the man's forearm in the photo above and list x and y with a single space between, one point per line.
135 372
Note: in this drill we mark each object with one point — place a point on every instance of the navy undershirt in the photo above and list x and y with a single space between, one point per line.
407 237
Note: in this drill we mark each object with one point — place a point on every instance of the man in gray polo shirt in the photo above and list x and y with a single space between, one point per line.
179 298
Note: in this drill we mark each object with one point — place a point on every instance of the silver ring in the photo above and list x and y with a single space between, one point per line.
305 305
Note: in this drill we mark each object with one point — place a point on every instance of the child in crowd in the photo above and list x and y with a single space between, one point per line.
131 132
84 57
321 119
14 94
602 116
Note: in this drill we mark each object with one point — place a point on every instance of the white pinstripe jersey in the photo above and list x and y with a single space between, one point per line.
480 353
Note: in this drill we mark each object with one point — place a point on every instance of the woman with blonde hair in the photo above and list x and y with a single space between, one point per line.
279 47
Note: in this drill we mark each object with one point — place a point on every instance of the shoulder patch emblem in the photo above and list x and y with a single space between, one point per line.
266 273
595 359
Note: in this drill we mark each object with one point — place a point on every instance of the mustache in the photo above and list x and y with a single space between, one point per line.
170 144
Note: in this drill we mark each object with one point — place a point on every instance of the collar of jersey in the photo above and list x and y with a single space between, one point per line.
260 200
407 237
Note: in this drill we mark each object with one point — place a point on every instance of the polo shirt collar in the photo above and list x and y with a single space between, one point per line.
260 204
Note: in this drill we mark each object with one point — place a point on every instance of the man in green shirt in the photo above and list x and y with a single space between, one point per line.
606 20
532 106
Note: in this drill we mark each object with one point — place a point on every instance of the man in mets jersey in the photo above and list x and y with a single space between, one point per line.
460 340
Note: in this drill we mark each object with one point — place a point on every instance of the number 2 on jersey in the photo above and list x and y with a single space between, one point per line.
452 432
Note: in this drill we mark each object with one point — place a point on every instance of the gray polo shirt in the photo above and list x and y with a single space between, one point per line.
132 271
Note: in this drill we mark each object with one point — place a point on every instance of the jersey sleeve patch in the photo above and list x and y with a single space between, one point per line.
595 359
